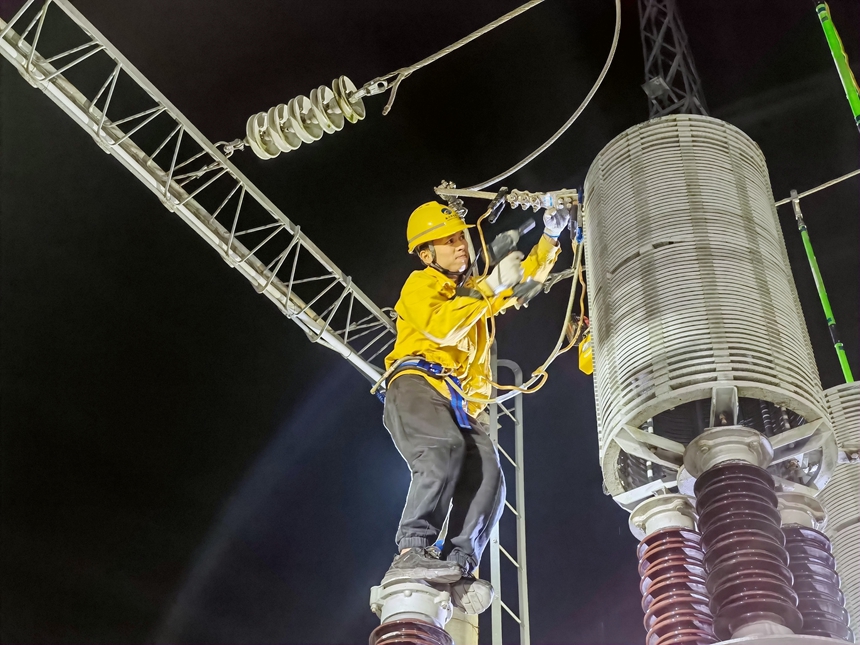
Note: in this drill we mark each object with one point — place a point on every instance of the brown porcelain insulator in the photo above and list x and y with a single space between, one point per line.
409 632
817 585
674 597
748 577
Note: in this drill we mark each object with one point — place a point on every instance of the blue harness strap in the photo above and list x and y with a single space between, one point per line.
458 403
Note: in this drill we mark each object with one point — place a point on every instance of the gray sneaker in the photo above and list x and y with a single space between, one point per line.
418 564
472 594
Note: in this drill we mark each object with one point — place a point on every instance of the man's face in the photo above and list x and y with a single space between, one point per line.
452 252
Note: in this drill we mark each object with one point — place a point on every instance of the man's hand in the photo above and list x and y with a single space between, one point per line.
507 273
555 221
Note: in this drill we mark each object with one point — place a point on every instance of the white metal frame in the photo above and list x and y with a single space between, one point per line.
497 411
348 322
184 179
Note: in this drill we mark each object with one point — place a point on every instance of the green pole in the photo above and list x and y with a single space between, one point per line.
849 83
822 292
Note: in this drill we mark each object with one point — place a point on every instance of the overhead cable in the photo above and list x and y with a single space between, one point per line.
826 184
383 83
574 116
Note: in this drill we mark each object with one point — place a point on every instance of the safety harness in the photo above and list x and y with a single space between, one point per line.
435 370
458 403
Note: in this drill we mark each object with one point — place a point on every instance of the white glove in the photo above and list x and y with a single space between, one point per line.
508 272
555 221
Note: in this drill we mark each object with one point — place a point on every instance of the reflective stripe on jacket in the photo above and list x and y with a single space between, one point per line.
451 330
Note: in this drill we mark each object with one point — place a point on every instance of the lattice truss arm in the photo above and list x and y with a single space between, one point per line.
671 81
61 53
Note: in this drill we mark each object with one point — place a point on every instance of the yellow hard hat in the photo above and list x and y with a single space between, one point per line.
431 221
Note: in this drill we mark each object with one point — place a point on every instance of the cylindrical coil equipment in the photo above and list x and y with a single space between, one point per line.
843 403
409 632
748 578
841 500
841 497
681 229
816 583
674 595
286 126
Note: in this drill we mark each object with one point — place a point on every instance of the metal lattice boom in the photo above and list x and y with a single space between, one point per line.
671 81
130 119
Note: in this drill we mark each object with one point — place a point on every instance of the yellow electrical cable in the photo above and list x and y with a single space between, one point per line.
483 243
541 372
575 336
540 375
491 332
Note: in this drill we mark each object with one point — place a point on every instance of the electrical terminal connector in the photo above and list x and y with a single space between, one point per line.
454 202
551 201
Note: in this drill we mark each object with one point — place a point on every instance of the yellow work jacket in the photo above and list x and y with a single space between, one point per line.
451 330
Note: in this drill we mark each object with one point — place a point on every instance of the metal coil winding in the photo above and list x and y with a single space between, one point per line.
634 470
820 600
843 403
748 578
663 280
674 597
409 632
285 127
682 423
766 419
841 497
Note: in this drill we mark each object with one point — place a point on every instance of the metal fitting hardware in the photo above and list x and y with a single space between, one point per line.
411 600
730 443
801 509
661 512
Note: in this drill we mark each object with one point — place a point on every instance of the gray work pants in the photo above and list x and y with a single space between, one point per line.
448 465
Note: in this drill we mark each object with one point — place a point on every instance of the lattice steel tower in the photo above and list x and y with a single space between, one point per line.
671 81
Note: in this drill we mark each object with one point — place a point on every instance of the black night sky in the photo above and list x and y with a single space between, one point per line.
179 464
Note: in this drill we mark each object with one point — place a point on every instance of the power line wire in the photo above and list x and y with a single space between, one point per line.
381 83
826 184
510 171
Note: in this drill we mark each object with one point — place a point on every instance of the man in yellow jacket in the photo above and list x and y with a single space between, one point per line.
442 353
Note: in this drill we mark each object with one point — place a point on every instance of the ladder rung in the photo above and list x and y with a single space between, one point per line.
508 609
510 557
502 450
508 412
513 510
